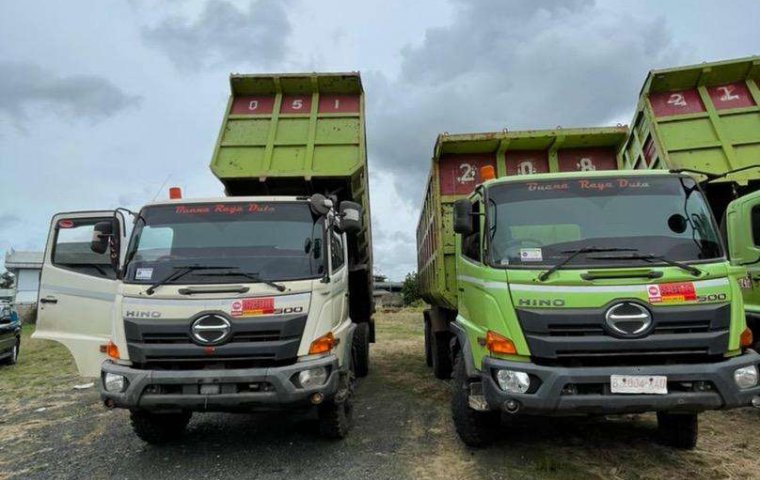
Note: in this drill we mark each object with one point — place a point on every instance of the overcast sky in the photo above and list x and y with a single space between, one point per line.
101 102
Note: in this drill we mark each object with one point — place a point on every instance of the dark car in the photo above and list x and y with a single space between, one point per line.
10 335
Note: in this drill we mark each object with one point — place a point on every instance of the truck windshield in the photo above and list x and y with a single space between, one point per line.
269 240
535 223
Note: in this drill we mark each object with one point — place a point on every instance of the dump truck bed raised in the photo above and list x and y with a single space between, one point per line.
299 134
455 171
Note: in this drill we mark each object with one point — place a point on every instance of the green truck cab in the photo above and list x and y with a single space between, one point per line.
706 119
578 289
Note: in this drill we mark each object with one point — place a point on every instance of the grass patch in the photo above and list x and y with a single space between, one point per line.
43 367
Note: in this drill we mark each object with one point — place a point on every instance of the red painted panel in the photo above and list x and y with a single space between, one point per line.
733 95
460 173
586 159
676 103
338 104
252 105
649 150
296 104
526 162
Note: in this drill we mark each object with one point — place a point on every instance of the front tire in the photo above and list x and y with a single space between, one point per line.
336 416
361 349
159 428
475 429
679 430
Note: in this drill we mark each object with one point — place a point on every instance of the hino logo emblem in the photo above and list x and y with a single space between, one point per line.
211 329
628 319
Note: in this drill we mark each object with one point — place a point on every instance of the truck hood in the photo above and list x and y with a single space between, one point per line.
259 300
569 289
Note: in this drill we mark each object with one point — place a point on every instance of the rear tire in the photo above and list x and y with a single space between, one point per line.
428 346
361 349
441 354
679 430
159 428
475 429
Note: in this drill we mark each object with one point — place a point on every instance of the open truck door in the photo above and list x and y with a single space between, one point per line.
78 284
743 241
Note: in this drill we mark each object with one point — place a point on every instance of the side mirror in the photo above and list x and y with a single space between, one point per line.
350 217
463 223
320 204
101 233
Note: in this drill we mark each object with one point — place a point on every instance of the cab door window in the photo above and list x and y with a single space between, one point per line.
71 249
756 225
336 251
471 242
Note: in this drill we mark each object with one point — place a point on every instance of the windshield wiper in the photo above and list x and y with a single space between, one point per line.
178 272
574 253
649 257
251 276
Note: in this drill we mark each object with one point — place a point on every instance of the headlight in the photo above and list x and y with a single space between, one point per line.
511 381
313 377
746 377
114 382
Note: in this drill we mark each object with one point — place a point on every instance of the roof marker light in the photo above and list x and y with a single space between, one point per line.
487 173
175 193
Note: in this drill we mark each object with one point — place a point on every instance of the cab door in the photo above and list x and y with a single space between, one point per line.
338 277
743 241
78 287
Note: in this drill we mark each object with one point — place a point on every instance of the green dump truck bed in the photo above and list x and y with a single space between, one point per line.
455 171
298 134
704 117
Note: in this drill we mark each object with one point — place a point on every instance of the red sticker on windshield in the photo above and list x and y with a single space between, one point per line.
672 292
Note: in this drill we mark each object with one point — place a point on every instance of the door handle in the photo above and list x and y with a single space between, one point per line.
49 300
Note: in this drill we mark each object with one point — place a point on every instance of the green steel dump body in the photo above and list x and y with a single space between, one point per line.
455 172
704 117
298 134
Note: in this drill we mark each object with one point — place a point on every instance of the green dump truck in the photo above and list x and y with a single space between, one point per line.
706 119
568 286
259 300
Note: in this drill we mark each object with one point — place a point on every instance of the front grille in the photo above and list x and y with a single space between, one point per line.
577 337
265 336
254 342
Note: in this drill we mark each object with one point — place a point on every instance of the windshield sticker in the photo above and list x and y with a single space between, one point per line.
531 255
144 274
672 292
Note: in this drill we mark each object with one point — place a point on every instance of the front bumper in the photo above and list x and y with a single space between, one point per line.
549 398
247 389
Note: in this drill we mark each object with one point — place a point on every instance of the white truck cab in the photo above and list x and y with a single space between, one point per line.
227 304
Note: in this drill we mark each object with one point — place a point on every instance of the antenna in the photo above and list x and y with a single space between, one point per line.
166 180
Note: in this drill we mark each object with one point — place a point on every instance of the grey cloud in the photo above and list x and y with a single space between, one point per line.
224 34
24 84
9 220
510 64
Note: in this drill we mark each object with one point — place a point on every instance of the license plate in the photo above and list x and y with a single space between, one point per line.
209 389
646 384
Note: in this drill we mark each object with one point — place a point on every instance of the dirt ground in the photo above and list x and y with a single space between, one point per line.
49 429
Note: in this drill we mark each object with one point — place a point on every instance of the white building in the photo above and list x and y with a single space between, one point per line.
26 266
